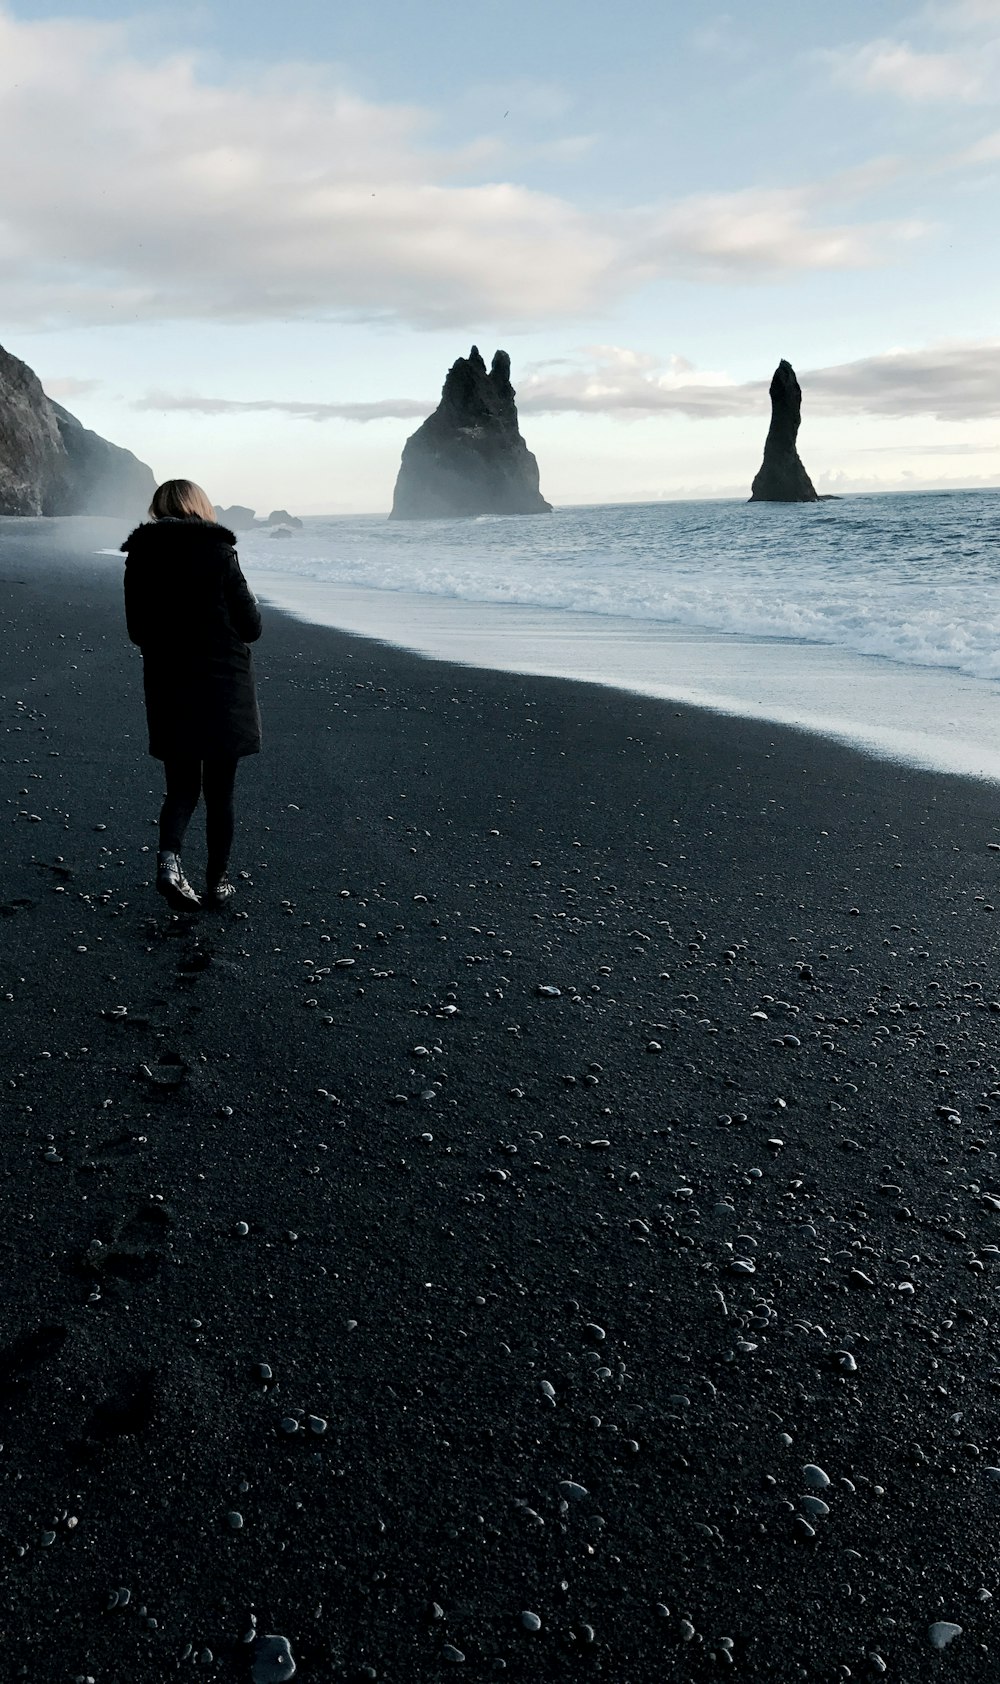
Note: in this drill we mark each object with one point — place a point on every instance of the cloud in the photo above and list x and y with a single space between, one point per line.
761 232
145 190
964 73
958 382
396 409
721 38
986 150
894 67
950 383
959 448
959 15
67 386
614 380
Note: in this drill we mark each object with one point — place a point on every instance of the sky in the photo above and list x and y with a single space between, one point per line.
247 240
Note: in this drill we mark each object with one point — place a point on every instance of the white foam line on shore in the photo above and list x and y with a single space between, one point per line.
938 720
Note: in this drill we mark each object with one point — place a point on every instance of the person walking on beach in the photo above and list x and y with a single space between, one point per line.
192 613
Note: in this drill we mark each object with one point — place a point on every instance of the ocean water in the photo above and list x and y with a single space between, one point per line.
871 618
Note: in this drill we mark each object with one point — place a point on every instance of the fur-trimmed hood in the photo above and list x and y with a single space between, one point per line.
191 530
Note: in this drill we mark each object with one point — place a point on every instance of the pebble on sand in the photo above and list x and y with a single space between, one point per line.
273 1661
942 1632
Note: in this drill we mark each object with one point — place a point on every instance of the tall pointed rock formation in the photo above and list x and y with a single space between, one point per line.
469 458
782 477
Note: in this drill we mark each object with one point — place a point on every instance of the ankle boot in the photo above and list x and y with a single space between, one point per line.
172 884
218 891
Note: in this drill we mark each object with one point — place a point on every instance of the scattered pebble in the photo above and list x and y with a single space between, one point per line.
530 1621
273 1661
942 1632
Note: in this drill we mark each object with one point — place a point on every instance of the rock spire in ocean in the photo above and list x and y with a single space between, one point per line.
782 477
52 465
469 458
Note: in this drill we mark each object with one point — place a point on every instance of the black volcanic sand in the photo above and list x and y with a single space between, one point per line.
492 1235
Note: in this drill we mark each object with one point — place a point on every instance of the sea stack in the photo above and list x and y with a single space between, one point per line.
469 458
782 477
52 465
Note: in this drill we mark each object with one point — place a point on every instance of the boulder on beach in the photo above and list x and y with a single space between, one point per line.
469 458
782 477
50 464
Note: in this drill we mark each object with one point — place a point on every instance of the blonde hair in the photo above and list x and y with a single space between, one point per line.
181 499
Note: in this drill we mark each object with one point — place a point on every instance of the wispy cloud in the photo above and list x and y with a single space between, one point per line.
280 194
396 409
762 232
958 382
956 16
959 66
67 386
986 150
722 38
950 383
894 67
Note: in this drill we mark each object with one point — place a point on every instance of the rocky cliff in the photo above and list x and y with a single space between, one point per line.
469 458
52 465
782 477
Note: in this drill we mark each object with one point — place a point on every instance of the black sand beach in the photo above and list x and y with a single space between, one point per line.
725 1207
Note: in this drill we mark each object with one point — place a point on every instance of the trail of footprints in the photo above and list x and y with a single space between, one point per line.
133 1239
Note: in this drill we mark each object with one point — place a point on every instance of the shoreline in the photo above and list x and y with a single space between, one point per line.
458 1187
927 717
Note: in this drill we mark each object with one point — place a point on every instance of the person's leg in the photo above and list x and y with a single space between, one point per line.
219 779
183 776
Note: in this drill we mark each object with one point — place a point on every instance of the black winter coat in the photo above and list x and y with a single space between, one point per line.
192 613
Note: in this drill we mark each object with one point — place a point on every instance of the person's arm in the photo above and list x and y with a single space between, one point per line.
241 603
135 606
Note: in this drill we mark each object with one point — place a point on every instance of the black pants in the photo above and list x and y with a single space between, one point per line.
186 780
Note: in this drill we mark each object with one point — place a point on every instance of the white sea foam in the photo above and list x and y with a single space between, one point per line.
912 579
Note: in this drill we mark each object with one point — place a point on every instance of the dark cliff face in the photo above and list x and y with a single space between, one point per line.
52 465
31 452
782 477
469 458
102 478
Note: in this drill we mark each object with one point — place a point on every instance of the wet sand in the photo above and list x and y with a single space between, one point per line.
580 1282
